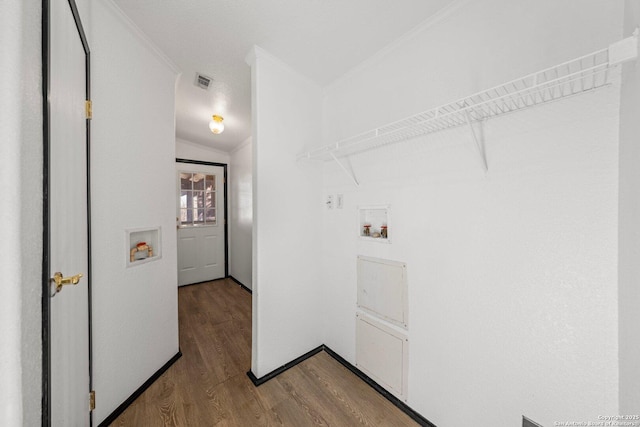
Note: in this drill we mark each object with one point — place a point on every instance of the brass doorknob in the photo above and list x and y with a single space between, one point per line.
60 280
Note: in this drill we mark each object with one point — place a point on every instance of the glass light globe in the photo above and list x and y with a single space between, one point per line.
216 124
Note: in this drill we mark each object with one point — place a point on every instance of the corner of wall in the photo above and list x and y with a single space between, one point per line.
241 214
286 213
185 149
135 309
629 227
21 166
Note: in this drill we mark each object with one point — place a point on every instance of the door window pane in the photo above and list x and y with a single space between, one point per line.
185 181
197 201
210 183
198 181
184 199
199 216
211 216
186 216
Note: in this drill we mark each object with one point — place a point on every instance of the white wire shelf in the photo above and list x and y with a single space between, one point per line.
578 76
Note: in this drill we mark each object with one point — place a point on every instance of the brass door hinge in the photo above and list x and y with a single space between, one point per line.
88 109
92 400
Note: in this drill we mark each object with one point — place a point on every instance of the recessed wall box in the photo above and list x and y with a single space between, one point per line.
143 245
373 223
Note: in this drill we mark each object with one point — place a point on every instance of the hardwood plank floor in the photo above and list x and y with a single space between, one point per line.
208 385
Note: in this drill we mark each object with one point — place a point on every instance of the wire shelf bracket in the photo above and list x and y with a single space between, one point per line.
347 171
576 77
479 141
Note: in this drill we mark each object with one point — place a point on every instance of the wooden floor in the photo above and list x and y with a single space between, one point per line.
208 385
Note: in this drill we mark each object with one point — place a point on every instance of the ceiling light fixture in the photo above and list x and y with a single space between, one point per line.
216 124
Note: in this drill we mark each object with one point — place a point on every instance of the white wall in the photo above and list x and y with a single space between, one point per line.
84 10
287 213
241 213
192 151
512 273
135 317
20 213
629 228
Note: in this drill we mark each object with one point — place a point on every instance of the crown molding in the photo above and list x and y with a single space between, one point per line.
181 140
429 23
256 53
143 37
241 145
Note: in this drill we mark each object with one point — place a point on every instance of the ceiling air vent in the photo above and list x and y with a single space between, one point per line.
203 81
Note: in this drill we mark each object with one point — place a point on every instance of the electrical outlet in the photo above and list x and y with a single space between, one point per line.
339 201
329 201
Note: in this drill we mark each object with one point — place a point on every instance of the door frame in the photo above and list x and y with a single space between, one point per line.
46 235
225 210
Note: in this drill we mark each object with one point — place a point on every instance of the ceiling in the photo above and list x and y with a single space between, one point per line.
322 39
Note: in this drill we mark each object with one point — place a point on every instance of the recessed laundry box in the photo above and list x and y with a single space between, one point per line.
382 343
382 289
143 245
382 353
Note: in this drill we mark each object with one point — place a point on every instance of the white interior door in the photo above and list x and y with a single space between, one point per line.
68 225
201 223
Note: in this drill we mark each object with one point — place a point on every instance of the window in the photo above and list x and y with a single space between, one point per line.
197 199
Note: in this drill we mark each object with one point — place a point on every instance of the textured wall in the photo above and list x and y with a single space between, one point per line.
241 213
84 9
135 317
286 213
20 213
629 228
513 273
192 151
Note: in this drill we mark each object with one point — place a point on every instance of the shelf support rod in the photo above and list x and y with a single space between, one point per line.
347 171
479 144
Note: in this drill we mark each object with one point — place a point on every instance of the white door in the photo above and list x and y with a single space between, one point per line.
201 223
68 224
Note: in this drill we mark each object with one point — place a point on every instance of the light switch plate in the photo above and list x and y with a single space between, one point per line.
330 201
340 201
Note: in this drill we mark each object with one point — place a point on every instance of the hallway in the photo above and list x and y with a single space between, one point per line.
208 385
